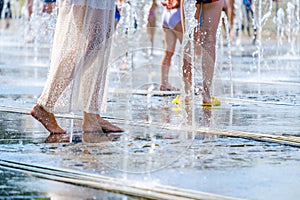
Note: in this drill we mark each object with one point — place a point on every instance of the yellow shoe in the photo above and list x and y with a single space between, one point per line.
214 102
176 100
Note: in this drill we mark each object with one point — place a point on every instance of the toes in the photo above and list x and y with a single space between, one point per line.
47 119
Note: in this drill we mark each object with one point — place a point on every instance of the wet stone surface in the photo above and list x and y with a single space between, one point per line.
162 143
15 185
205 165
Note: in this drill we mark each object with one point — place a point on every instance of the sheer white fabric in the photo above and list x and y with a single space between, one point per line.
99 4
81 48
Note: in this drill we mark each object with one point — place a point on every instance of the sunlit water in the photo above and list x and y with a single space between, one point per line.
257 83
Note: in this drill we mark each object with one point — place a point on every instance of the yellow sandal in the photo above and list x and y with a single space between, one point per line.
214 102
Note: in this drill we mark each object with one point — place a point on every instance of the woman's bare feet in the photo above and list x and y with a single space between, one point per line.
168 87
47 119
94 123
57 138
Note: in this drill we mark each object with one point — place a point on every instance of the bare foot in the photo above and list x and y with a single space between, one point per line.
206 100
168 87
57 138
47 119
93 122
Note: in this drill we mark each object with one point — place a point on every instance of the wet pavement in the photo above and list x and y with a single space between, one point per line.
246 148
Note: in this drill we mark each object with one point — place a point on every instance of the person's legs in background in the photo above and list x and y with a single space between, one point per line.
48 6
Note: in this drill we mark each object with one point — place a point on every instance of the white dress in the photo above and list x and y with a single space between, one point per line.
79 61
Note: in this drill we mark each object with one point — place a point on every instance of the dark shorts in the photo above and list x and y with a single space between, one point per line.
49 1
117 14
8 14
205 1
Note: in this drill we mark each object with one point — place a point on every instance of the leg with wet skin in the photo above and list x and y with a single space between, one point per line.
48 7
187 68
178 31
165 68
211 13
198 11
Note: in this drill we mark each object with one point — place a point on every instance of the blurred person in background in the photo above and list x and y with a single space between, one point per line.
1 7
151 24
172 30
29 6
7 14
48 6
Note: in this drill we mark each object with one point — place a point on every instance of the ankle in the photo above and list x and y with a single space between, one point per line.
206 99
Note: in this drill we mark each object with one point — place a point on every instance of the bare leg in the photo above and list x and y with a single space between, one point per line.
178 31
95 123
170 38
198 11
187 68
48 7
211 16
46 118
151 31
29 8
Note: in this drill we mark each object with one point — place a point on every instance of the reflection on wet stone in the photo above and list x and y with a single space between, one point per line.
162 142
